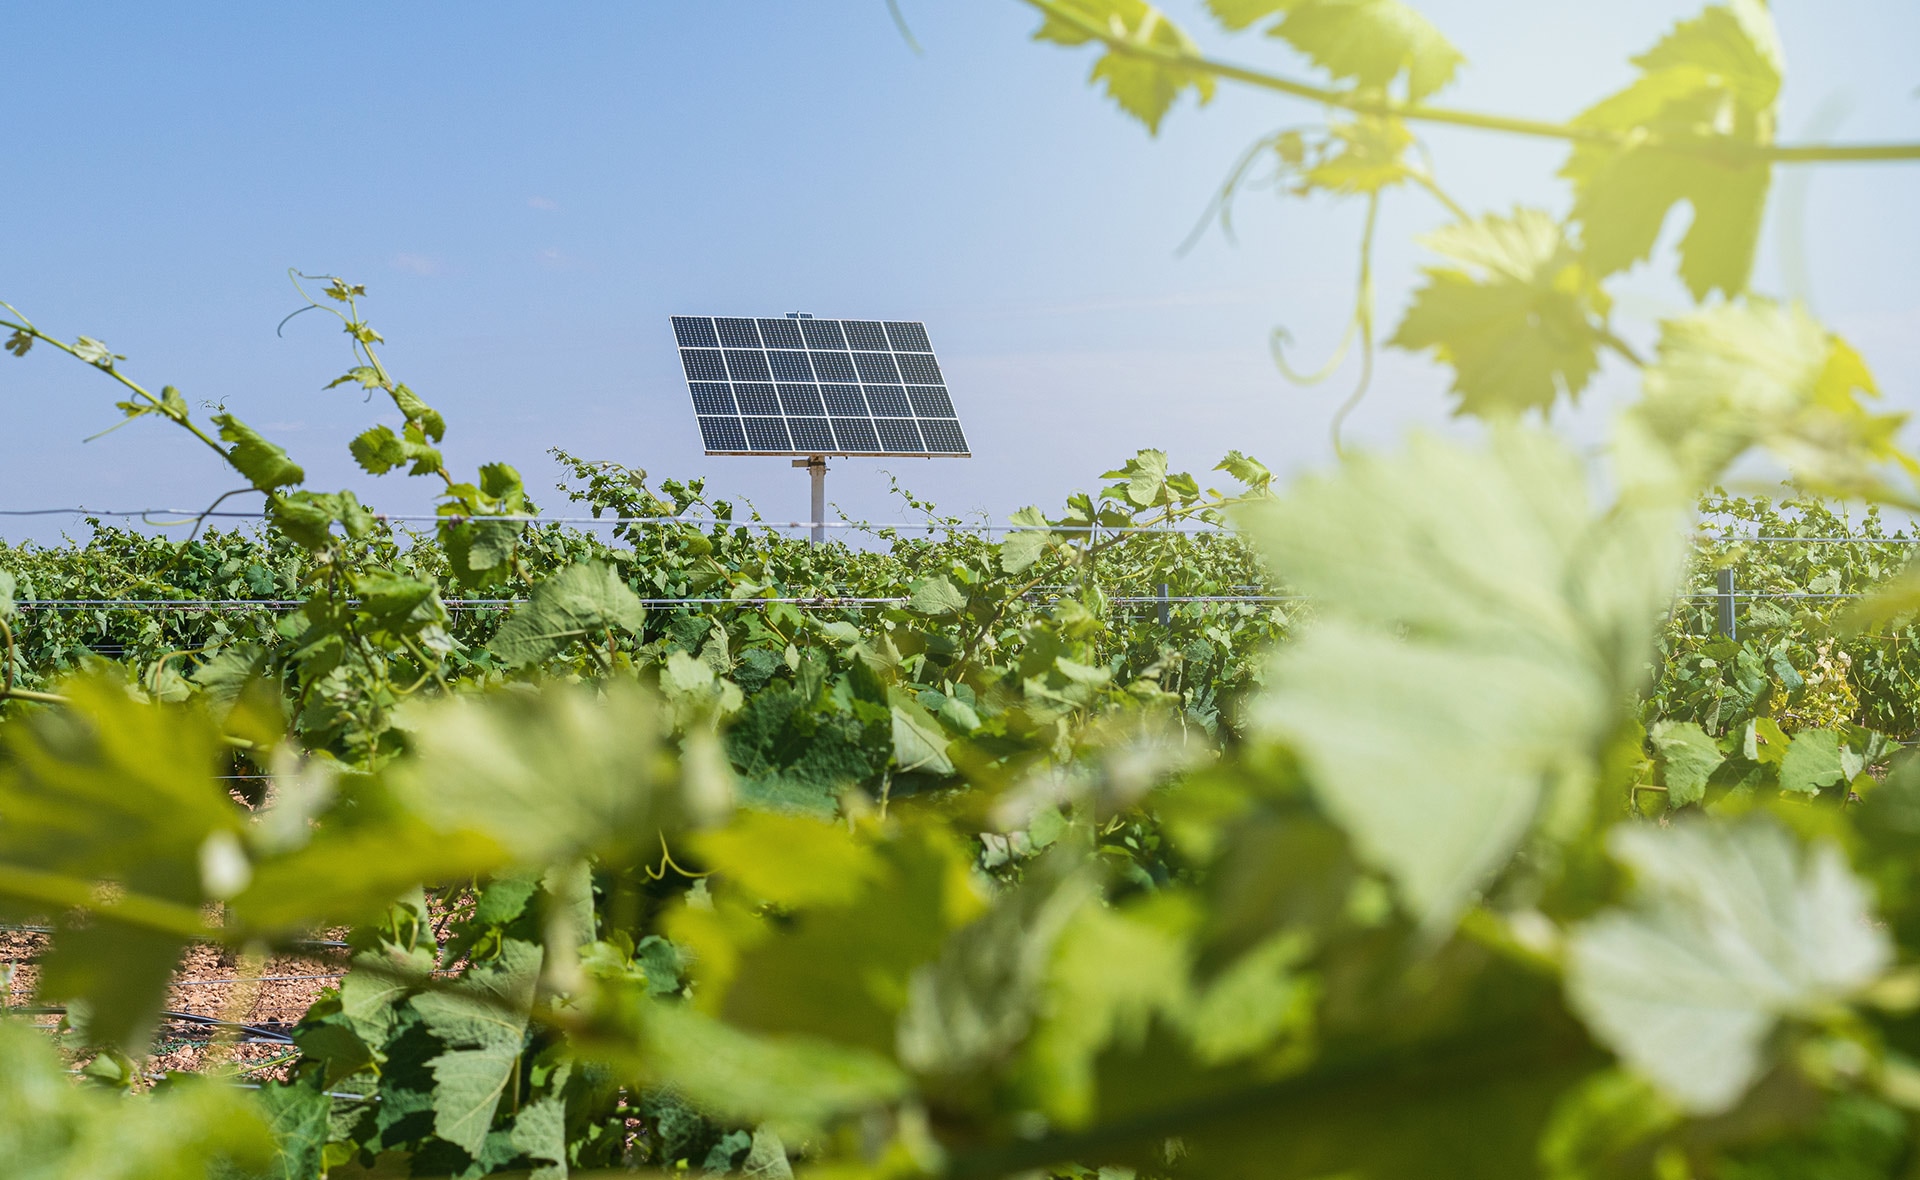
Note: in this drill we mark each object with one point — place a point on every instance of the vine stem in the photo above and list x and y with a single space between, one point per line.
1366 104
6 633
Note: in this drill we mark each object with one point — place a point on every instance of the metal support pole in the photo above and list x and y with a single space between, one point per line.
1723 618
816 466
1166 612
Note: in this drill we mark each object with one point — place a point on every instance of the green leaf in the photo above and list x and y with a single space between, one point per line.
974 1004
1517 323
431 423
1144 88
793 1084
262 462
365 376
1688 757
919 744
791 861
501 483
1239 14
379 450
1812 761
19 342
95 353
111 789
1146 476
1251 472
7 585
582 601
540 1130
1756 374
549 775
766 1157
53 1129
935 596
838 966
1480 628
483 1020
479 550
1019 550
374 985
1715 76
1734 927
394 602
298 1115
1371 42
1090 1000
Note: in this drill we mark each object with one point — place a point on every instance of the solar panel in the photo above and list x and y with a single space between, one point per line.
804 386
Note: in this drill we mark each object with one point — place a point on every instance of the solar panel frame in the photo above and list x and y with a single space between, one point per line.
805 386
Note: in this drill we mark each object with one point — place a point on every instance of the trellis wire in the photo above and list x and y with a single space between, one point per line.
186 516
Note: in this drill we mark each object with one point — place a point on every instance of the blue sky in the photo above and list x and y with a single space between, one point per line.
530 192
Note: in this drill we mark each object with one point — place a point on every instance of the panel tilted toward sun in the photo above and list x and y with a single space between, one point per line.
817 387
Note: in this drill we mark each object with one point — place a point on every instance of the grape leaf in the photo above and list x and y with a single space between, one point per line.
918 742
379 450
395 602
483 1021
548 775
1812 761
1088 1001
1144 89
540 1130
479 550
1479 627
1021 549
582 601
113 789
974 1003
837 967
935 596
766 1157
53 1129
432 425
1734 927
1371 42
1717 75
297 1115
264 464
1734 377
794 1084
1146 478
1517 323
1688 757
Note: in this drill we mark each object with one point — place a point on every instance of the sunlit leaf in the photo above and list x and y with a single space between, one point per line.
482 1019
794 1084
53 1129
1144 88
548 775
1717 75
581 602
1736 377
1480 627
1734 928
1517 322
1687 758
1812 761
1371 42
264 464
113 789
